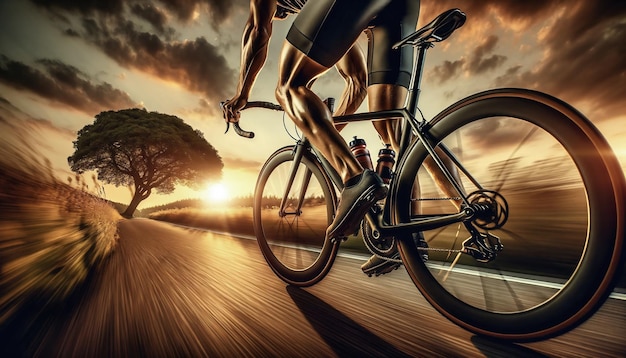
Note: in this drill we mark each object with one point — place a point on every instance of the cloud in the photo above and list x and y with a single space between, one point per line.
62 83
584 58
481 12
581 42
116 30
478 62
83 7
195 64
447 70
153 15
156 13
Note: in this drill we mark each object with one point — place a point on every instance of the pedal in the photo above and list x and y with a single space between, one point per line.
334 240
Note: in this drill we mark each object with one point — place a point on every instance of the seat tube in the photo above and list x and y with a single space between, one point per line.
419 58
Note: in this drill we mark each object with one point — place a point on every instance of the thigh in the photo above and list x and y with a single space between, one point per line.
386 65
324 30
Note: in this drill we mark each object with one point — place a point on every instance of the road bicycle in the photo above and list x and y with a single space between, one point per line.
536 247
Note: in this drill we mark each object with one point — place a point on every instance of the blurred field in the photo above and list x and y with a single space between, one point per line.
534 242
52 233
235 220
239 221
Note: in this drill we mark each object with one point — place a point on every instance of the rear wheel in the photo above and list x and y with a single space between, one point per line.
563 190
292 210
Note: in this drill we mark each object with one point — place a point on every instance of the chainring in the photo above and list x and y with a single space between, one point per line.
384 247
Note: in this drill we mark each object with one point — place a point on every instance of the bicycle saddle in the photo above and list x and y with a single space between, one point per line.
437 30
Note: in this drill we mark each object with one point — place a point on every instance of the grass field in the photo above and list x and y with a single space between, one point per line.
52 233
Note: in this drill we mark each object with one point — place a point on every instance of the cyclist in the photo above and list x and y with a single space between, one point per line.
323 35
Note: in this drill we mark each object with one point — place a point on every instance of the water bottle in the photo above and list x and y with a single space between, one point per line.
330 103
361 153
384 165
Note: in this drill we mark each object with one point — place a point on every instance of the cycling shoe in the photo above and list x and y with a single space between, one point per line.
355 201
379 266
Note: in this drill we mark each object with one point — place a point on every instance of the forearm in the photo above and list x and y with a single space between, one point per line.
254 47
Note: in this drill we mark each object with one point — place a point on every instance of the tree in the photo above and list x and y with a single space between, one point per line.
147 150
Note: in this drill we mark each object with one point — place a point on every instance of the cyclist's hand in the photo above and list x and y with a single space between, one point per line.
232 109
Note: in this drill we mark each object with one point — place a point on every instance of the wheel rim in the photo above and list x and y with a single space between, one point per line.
493 304
293 239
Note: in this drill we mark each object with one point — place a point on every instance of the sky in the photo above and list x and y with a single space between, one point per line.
64 61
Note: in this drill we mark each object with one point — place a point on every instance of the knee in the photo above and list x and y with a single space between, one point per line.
282 92
357 85
360 82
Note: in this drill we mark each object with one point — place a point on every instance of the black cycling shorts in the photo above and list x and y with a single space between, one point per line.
325 30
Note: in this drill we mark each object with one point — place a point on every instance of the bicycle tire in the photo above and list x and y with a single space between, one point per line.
294 244
560 307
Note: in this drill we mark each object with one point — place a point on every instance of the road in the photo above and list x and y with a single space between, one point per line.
175 292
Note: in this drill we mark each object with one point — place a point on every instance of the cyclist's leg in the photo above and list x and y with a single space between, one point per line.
382 97
301 61
353 69
389 70
362 188
386 96
322 33
389 73
308 111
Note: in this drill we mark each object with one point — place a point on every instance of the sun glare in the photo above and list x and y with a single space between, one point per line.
216 193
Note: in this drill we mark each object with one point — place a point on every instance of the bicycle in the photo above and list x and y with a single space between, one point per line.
553 194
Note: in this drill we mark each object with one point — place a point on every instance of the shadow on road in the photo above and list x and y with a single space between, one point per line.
343 335
495 348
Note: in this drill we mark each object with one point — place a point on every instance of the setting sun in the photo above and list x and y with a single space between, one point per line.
216 193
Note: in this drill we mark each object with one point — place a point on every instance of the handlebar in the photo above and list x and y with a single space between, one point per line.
262 104
253 104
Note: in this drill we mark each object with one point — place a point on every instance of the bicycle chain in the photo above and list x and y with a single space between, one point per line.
398 260
434 249
436 199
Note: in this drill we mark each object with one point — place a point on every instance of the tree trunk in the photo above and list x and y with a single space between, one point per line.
130 210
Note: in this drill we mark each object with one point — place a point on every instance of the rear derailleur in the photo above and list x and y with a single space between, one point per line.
482 246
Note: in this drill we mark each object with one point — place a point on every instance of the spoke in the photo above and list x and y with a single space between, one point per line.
451 267
502 176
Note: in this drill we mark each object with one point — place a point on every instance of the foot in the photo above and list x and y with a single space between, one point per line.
379 266
355 201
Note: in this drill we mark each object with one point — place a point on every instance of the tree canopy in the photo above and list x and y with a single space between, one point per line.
146 150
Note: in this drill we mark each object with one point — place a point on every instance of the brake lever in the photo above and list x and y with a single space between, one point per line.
236 126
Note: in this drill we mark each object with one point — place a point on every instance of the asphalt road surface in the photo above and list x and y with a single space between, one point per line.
174 292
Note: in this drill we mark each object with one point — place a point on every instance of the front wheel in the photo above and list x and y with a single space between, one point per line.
293 205
563 237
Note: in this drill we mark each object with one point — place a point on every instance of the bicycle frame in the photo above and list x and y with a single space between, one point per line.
583 208
414 130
